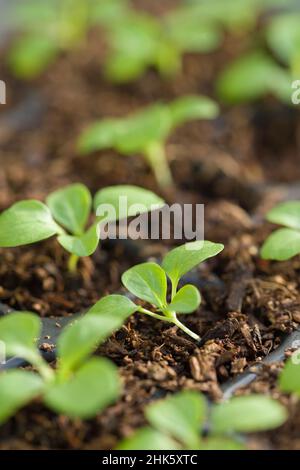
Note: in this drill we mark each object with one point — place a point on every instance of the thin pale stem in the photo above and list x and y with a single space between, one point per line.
157 159
154 315
186 330
72 263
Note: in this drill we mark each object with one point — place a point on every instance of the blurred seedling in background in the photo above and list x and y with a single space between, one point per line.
258 73
181 421
48 28
66 214
148 282
81 385
146 132
283 243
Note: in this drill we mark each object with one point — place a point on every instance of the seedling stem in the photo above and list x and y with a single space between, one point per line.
72 263
157 159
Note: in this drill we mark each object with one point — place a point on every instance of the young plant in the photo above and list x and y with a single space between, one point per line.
181 421
148 282
81 385
66 214
283 243
55 26
146 132
289 380
140 41
253 76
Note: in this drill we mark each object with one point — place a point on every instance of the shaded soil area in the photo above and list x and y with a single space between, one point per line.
238 165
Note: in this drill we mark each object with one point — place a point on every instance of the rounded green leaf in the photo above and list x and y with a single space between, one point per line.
148 439
91 389
186 300
247 414
148 282
251 77
19 332
83 245
100 135
81 338
289 380
71 207
26 222
283 36
125 201
31 55
220 443
287 214
139 130
281 245
17 388
189 32
180 416
188 108
117 306
182 259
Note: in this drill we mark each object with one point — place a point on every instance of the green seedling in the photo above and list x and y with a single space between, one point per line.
148 282
52 27
146 132
66 214
81 385
179 422
283 37
141 41
283 243
253 76
289 379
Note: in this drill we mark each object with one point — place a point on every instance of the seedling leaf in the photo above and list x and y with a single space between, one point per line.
220 443
186 300
31 55
93 387
148 282
82 245
81 338
148 439
188 108
179 416
247 414
19 331
281 245
118 306
26 222
71 207
289 380
126 200
287 214
17 388
182 259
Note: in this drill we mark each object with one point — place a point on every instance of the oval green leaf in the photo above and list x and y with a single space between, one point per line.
91 389
20 331
17 388
287 214
26 222
117 306
148 439
121 201
83 245
289 380
188 108
182 259
281 245
180 416
148 282
247 414
71 207
186 300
